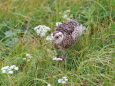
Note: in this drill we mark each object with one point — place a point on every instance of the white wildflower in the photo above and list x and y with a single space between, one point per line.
12 67
49 38
41 30
5 68
59 80
66 17
10 72
63 80
3 71
9 69
57 59
29 56
58 23
16 68
48 85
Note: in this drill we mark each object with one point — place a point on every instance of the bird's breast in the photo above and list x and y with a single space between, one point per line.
66 43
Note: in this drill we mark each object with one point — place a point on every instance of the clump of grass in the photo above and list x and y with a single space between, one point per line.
89 62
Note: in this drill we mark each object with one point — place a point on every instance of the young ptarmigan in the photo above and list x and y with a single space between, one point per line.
66 34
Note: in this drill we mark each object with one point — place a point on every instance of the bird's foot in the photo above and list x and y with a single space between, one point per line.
63 57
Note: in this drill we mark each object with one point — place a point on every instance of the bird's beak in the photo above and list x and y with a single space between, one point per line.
52 37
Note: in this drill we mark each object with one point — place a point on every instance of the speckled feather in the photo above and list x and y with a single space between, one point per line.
67 27
66 43
72 30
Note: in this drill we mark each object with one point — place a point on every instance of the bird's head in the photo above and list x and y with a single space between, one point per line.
57 37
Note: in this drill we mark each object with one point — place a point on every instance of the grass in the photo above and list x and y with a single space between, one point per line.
90 62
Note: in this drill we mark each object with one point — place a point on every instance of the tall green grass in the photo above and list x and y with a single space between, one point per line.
90 62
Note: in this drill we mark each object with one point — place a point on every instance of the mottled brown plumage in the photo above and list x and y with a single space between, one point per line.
67 27
66 34
66 43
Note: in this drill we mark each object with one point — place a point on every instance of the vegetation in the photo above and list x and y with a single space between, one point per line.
90 62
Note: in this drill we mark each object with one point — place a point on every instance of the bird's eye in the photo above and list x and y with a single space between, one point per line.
56 37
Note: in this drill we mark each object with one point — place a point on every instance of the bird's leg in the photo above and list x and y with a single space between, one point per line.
64 54
61 54
58 53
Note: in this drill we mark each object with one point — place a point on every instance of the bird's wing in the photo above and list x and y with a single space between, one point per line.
67 27
77 31
68 41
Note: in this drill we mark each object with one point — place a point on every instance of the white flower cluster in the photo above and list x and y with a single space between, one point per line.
63 80
41 30
65 15
9 69
57 59
48 85
58 23
29 57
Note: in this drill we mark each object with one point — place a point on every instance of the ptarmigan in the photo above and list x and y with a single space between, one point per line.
66 34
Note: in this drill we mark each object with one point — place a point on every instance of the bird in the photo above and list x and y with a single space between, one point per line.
65 35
